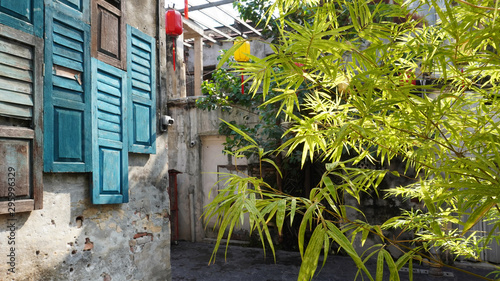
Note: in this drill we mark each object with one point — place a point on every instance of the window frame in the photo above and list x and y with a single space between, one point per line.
120 62
33 134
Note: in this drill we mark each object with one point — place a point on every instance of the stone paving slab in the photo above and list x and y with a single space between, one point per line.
190 263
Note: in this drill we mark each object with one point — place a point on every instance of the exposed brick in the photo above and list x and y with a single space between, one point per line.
140 234
89 245
143 237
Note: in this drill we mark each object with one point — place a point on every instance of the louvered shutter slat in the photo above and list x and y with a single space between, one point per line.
142 87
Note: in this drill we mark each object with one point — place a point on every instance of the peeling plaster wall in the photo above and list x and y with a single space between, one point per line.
191 126
185 155
72 239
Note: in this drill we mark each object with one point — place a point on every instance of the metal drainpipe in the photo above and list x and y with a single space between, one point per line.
158 59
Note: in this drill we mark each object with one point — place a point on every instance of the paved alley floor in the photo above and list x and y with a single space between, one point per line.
190 262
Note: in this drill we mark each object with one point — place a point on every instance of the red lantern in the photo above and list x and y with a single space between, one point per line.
173 23
173 26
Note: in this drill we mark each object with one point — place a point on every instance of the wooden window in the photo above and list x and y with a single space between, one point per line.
67 112
108 32
24 15
141 76
109 138
21 99
124 113
77 9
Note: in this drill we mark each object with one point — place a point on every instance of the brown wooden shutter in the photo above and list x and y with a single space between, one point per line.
108 32
21 97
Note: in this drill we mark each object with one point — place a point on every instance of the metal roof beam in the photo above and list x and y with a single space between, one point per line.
213 29
219 32
208 5
203 35
226 25
210 39
240 21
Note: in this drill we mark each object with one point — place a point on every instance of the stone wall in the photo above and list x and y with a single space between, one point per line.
72 239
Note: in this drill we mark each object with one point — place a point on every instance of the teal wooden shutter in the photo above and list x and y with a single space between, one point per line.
24 15
141 72
109 142
67 115
78 9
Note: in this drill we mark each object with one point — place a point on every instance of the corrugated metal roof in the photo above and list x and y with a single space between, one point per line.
218 19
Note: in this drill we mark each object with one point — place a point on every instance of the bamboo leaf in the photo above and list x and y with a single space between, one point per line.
393 269
310 260
280 215
364 236
308 217
331 188
293 208
380 265
478 214
274 165
405 258
380 234
229 53
240 132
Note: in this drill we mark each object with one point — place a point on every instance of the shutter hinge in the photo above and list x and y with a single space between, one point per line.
43 69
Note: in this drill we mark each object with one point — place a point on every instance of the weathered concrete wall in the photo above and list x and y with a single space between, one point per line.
194 134
72 239
186 145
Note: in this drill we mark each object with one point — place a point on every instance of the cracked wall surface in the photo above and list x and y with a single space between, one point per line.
72 239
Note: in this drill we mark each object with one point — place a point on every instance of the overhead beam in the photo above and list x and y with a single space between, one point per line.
240 21
213 29
208 5
193 29
233 17
226 25
210 39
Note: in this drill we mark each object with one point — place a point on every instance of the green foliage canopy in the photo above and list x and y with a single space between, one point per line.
354 62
